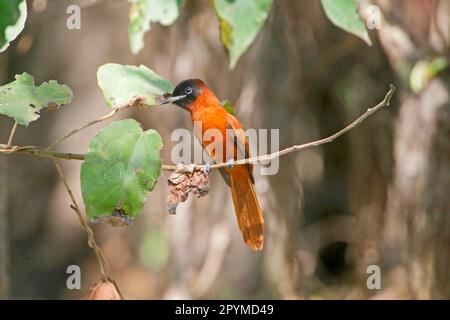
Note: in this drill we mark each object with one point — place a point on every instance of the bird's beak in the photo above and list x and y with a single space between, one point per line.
172 99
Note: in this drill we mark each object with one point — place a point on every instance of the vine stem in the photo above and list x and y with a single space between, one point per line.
75 131
41 152
13 132
104 267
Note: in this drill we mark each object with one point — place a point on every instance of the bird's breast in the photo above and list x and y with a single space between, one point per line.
210 124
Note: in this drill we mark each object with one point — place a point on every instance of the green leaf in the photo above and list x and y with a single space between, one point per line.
424 71
121 166
240 22
124 85
13 14
344 14
22 100
227 105
145 12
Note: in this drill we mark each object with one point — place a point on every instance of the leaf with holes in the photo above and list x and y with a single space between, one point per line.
13 14
145 12
121 166
240 22
130 85
22 99
344 14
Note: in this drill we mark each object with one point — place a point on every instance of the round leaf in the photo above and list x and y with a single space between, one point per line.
122 165
123 84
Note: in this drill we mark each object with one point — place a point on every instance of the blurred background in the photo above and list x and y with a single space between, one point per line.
379 195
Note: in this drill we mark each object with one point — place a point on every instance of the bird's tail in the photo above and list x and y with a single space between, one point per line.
248 212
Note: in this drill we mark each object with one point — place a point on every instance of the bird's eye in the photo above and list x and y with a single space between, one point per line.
188 90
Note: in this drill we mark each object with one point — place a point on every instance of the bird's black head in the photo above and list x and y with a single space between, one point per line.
185 93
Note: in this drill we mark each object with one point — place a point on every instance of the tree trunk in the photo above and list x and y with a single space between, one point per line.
417 232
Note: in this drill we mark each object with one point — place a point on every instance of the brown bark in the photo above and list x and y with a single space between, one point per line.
417 232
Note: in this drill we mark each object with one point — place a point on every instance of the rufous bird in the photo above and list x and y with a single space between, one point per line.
203 105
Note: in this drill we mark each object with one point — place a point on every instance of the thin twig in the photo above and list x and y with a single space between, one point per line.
13 132
91 241
103 118
104 268
40 152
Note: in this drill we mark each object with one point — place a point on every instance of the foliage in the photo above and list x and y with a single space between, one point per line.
123 162
121 84
228 106
13 14
424 71
121 166
22 99
344 14
145 12
240 22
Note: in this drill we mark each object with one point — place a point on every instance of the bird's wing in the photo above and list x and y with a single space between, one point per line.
236 133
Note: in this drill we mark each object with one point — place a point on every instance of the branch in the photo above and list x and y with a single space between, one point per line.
40 152
104 268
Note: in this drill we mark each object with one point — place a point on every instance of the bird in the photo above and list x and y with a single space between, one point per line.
194 96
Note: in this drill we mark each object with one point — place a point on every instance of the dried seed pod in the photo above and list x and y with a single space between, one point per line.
184 180
104 290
